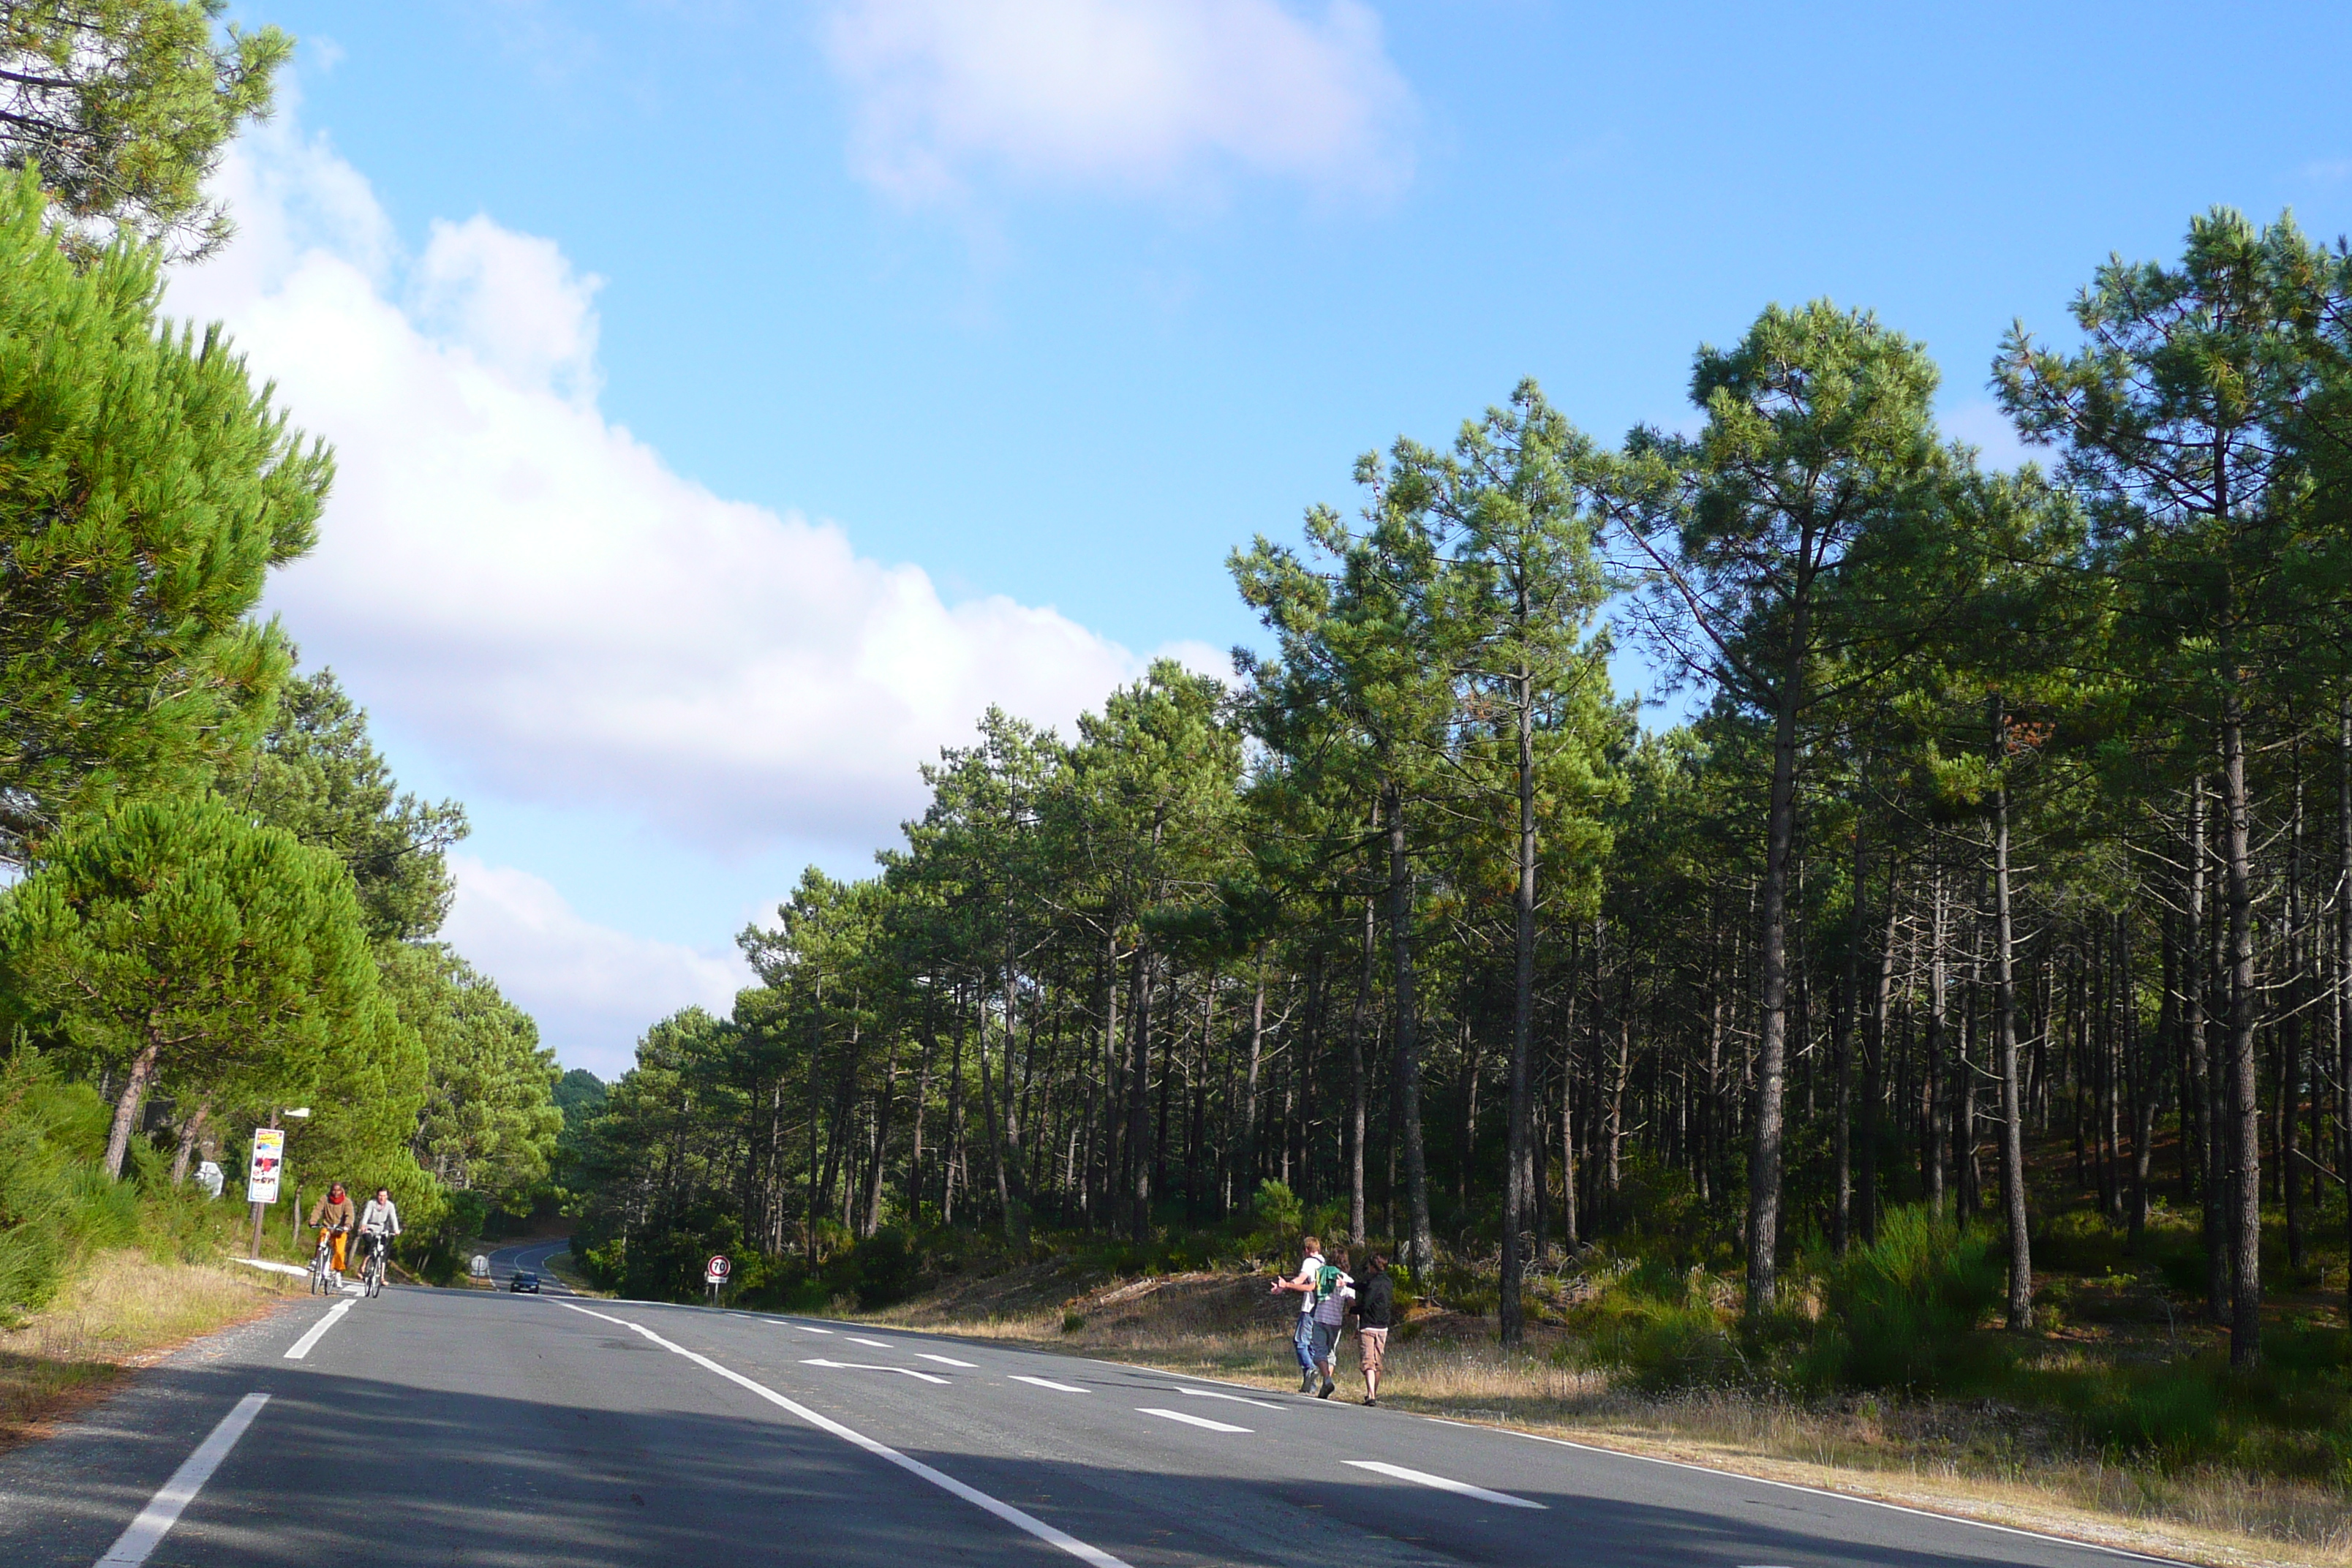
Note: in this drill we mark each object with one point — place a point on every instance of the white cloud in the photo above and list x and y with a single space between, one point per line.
1121 93
592 990
525 586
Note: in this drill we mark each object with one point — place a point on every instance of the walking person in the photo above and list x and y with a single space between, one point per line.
1375 1310
1302 1337
1333 1291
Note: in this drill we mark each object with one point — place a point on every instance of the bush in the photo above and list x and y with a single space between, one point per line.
1661 1324
56 1203
1905 1311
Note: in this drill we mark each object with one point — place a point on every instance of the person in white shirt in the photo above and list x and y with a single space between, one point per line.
380 1220
1302 1338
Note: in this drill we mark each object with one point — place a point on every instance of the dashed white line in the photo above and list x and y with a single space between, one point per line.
301 1347
860 1340
948 1361
1212 1393
1093 1555
806 1329
1443 1483
867 1366
1188 1419
1049 1383
163 1511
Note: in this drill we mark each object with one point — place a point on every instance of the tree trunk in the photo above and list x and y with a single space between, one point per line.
189 1130
1936 1090
2012 1110
1138 1097
2290 1038
1772 1045
1359 1023
2344 955
1420 1246
1873 1070
2246 1235
126 1108
1508 1312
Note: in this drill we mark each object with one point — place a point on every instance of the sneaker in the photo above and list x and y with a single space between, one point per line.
1328 1386
1306 1382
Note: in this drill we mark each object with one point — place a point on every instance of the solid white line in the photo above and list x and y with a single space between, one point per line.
1443 1483
939 1479
1212 1393
163 1511
866 1366
878 1344
1190 1420
301 1347
949 1361
1839 1496
1049 1383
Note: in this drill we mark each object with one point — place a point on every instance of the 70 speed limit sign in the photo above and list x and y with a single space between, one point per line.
715 1272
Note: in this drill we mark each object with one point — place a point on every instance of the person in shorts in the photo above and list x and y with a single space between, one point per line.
1375 1310
1302 1336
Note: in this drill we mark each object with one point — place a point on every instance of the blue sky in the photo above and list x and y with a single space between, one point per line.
901 323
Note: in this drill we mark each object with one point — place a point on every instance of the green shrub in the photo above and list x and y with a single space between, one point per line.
1905 1311
2175 1411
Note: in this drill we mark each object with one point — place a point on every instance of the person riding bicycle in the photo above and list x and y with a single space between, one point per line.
334 1217
378 1221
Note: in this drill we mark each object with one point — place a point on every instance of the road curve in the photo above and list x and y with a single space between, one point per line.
446 1426
530 1255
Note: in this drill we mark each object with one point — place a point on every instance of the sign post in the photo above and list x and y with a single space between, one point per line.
714 1274
261 1174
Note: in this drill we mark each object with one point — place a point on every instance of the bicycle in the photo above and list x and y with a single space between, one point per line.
326 1280
372 1271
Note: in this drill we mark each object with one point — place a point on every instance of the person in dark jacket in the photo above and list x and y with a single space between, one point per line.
1375 1310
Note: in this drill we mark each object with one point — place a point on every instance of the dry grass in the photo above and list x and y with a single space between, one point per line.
123 1310
1980 1460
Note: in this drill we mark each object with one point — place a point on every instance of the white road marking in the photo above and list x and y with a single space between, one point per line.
1839 1496
806 1329
1190 1420
949 1361
1212 1393
864 1366
878 1344
301 1347
1049 1383
163 1511
1093 1555
1443 1483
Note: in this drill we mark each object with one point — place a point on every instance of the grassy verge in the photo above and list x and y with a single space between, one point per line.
1982 1458
121 1309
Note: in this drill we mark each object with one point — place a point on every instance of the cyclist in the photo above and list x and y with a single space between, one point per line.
379 1221
334 1215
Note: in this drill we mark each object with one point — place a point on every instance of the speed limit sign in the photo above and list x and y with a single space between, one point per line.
715 1271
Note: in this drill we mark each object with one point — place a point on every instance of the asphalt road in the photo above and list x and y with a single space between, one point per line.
531 1255
449 1427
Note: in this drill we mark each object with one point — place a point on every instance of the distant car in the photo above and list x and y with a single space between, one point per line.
524 1279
